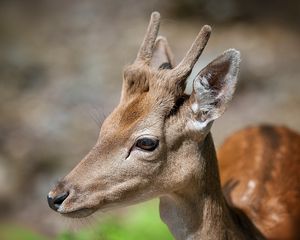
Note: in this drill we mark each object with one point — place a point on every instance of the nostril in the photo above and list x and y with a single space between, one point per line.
56 201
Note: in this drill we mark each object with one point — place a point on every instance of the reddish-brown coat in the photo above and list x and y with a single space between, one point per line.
260 172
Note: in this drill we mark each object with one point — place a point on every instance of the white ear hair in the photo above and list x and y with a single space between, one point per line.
214 87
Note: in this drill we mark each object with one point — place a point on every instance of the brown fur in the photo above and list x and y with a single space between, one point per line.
264 163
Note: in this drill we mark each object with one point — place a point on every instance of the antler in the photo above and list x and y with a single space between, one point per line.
146 49
183 69
179 74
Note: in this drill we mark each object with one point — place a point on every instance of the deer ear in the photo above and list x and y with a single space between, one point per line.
162 57
213 88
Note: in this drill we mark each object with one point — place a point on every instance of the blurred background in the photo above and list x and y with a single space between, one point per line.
61 64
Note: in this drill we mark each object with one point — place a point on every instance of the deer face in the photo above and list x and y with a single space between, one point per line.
145 145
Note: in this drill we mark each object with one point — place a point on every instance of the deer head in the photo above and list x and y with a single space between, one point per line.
147 145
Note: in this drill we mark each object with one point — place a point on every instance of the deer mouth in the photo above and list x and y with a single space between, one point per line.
78 213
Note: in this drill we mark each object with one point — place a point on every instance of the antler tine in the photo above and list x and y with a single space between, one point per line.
146 49
184 68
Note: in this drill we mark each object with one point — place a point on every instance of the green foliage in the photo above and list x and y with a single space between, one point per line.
141 222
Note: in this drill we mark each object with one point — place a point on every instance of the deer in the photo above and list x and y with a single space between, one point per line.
157 143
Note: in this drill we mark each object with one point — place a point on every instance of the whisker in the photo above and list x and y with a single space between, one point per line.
95 115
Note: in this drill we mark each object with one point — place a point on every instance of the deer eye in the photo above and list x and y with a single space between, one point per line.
147 144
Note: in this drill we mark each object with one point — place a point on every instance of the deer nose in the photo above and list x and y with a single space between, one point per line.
56 201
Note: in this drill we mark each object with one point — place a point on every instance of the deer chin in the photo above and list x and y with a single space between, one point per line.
79 213
87 211
73 209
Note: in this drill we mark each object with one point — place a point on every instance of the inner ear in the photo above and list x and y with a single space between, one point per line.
162 55
214 86
213 76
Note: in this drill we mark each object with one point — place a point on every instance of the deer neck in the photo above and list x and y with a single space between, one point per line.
200 211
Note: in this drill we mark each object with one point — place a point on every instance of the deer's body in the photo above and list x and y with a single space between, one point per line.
157 143
260 171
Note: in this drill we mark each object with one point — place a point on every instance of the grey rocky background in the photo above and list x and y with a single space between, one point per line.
60 75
